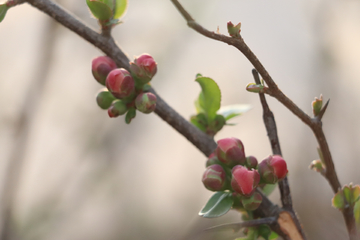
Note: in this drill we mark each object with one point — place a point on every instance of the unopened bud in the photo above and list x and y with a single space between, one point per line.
251 162
317 105
317 166
234 31
256 88
230 151
104 99
272 169
143 68
101 67
244 181
253 202
145 102
216 125
120 83
214 178
117 108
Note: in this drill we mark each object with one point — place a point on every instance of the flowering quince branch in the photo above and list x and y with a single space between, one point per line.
314 123
270 124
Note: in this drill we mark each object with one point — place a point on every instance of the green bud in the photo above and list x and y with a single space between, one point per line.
117 108
317 166
104 99
317 105
234 31
256 88
216 125
350 194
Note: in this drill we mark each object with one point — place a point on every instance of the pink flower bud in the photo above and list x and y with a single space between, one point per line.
143 68
244 181
212 160
214 178
251 162
253 202
120 83
117 108
273 169
145 102
230 151
101 66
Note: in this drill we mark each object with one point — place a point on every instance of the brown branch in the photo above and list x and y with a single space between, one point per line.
270 125
274 91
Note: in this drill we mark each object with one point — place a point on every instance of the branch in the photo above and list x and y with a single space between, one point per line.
314 123
237 226
107 44
270 125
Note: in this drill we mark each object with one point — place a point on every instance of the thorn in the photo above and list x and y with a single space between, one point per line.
322 111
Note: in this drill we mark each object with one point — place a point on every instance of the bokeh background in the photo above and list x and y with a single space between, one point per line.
76 174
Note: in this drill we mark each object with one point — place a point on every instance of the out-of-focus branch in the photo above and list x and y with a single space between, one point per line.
270 125
22 128
314 123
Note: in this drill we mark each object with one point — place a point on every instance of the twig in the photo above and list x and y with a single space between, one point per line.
314 123
270 125
237 226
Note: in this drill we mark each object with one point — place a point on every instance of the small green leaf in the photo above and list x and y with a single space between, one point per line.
131 114
357 213
3 10
338 200
209 98
120 8
233 110
100 10
273 235
199 121
264 231
219 204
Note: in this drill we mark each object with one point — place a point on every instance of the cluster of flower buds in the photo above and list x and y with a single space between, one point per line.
126 92
228 169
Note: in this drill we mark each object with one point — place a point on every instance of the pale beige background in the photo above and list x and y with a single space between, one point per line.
86 176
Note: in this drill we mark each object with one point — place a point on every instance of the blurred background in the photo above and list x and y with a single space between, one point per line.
68 171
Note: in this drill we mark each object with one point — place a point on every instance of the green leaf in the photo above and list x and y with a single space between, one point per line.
3 10
209 98
357 213
100 10
268 189
233 110
338 200
131 114
273 235
120 8
219 204
199 121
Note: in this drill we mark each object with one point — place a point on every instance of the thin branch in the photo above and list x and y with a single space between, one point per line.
237 226
270 125
274 91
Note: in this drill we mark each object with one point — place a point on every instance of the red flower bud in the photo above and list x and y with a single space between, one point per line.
244 181
230 151
117 108
143 68
214 178
101 67
120 83
251 162
273 169
145 102
212 160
